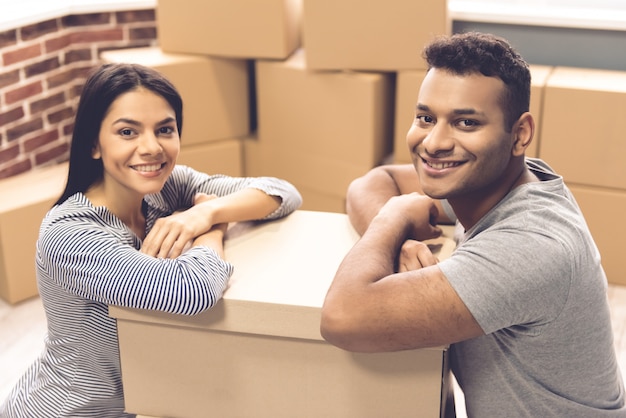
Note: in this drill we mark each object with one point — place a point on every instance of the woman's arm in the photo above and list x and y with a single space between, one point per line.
170 235
90 259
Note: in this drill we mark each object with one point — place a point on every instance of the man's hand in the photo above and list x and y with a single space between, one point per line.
172 234
415 255
417 214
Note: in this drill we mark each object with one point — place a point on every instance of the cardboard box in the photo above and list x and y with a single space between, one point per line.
25 200
370 34
217 157
345 116
233 28
214 91
259 352
582 129
540 75
604 211
408 84
321 176
314 200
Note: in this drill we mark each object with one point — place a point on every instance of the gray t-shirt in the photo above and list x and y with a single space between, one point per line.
530 274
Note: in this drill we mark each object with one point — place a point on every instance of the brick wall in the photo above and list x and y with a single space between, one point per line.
42 71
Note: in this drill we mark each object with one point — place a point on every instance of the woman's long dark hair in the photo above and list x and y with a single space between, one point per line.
105 84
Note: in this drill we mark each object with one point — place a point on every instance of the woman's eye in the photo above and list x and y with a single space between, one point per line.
166 130
126 132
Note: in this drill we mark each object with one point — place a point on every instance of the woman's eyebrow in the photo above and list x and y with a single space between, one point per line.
127 120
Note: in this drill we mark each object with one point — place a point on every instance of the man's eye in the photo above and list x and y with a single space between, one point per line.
468 123
424 118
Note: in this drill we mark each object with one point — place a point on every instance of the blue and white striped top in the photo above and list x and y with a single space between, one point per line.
88 259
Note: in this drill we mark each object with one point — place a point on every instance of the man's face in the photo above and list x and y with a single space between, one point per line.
458 141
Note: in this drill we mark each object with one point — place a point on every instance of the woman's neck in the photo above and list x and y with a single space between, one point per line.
127 208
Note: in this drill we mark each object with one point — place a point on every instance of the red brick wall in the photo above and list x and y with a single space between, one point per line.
42 71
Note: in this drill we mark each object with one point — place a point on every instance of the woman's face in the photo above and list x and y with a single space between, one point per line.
138 144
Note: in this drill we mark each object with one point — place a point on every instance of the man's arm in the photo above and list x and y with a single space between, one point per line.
369 308
367 194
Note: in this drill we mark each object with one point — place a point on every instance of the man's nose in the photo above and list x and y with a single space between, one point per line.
438 139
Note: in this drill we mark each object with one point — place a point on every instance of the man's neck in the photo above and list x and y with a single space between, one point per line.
470 208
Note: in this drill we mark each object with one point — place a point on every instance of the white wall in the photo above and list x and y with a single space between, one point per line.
17 13
586 14
591 14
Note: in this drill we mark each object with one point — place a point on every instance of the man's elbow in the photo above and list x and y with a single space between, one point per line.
338 330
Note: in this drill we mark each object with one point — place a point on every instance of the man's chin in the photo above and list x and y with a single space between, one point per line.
435 194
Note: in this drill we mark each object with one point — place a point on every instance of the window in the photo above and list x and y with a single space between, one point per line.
597 14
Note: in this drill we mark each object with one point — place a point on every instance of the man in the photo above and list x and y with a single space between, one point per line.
522 300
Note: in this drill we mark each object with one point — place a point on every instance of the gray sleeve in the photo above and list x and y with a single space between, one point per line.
510 277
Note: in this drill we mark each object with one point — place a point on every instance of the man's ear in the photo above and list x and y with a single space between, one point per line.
524 130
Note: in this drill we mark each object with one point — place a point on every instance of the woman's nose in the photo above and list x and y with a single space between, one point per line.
149 144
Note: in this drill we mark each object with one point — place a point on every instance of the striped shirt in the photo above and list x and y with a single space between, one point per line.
88 259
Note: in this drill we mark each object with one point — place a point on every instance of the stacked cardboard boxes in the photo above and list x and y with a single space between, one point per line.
309 117
25 200
320 130
583 140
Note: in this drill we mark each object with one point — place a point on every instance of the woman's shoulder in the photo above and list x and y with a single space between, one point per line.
76 210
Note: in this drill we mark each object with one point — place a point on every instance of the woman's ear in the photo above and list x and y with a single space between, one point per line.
95 152
524 130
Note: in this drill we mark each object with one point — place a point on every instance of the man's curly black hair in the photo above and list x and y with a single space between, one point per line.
489 55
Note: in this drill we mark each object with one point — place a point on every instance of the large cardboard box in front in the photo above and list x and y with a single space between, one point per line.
258 352
232 28
25 200
370 34
214 90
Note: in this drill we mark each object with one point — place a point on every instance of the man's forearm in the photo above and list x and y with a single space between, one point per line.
366 195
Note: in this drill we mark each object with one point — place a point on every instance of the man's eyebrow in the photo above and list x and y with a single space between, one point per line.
467 111
463 111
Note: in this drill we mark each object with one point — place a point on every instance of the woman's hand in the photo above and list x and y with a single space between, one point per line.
171 235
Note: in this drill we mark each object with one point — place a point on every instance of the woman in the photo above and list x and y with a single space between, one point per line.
131 229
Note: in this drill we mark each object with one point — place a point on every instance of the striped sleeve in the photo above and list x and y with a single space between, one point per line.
90 261
185 182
